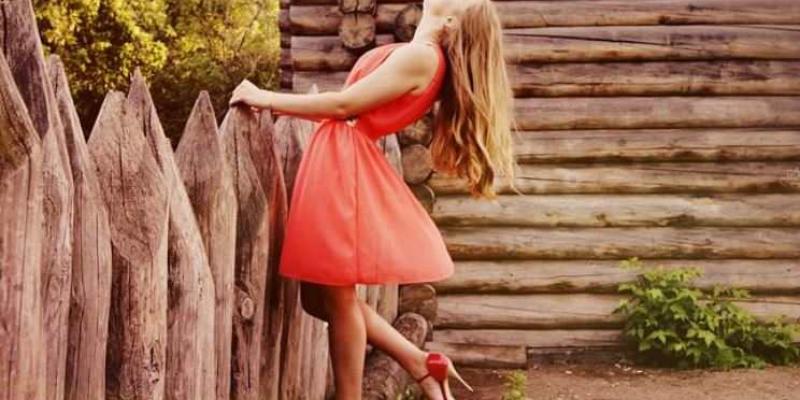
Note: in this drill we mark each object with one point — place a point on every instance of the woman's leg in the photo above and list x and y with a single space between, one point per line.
380 333
348 340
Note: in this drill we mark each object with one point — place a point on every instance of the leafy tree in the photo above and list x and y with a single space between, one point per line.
181 46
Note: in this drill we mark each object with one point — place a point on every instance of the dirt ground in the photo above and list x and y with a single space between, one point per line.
621 382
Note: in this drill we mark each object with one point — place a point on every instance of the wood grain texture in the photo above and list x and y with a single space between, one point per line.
91 258
498 243
482 356
610 210
207 177
602 43
649 145
136 196
252 253
542 338
417 164
24 54
568 311
697 178
658 112
21 354
357 30
657 78
537 14
191 368
779 276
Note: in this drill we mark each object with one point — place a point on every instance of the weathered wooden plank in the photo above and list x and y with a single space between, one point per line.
567 311
532 338
640 43
724 77
252 253
657 112
779 276
485 243
388 298
694 178
773 210
22 357
655 78
91 257
657 145
135 194
492 356
209 184
23 49
191 368
322 19
419 299
613 43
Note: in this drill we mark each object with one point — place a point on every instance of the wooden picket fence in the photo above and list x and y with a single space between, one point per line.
129 271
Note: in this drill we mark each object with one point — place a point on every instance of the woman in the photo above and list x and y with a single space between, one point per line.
352 220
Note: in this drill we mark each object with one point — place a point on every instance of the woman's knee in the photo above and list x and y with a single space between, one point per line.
340 299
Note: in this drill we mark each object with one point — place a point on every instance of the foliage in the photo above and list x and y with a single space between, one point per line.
181 46
671 323
515 386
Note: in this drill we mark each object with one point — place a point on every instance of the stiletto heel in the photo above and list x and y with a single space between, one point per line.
439 368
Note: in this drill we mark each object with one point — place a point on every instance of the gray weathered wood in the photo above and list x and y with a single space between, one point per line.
658 112
25 57
252 253
136 196
611 210
604 43
318 17
91 257
493 356
22 356
695 178
778 276
598 145
495 243
209 184
191 372
568 311
532 338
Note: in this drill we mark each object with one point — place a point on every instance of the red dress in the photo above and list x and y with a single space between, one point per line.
352 219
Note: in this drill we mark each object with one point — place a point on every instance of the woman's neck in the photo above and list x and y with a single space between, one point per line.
428 31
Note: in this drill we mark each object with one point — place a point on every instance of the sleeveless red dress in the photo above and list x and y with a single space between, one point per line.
352 219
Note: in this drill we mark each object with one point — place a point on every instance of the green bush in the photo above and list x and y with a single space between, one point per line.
515 383
670 323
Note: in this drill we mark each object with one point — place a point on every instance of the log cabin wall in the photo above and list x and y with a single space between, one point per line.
662 129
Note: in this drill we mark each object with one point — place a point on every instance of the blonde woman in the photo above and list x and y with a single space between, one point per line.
352 220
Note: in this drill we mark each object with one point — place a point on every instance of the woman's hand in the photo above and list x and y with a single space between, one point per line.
248 94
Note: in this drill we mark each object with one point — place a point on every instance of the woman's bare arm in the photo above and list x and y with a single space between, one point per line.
408 68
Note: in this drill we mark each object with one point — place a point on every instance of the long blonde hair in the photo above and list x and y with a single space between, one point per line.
474 122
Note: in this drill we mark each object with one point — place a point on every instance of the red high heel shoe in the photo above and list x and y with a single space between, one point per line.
439 368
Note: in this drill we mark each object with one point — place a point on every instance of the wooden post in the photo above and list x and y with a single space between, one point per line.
209 183
91 258
25 57
21 352
190 365
135 194
252 251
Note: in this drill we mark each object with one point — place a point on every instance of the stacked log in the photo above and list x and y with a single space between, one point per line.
24 54
91 258
357 26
